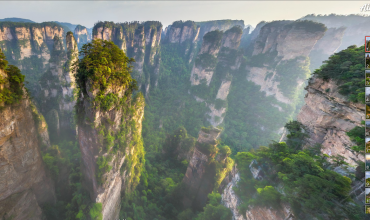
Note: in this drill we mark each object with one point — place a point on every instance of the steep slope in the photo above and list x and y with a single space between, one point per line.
221 25
326 46
189 34
356 28
29 46
328 115
82 35
329 133
208 167
213 69
272 77
24 185
184 35
335 107
141 42
109 126
55 92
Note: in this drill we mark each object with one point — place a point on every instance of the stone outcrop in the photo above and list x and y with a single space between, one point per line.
219 50
29 45
221 25
289 39
140 41
261 213
232 201
81 35
355 27
24 183
249 37
55 92
110 168
194 178
180 32
327 116
199 178
279 42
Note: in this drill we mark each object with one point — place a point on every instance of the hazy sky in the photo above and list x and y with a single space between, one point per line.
252 12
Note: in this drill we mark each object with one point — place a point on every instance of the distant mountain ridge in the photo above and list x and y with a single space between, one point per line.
17 20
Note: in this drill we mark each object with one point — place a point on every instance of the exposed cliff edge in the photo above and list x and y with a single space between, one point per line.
55 92
329 127
29 45
109 128
328 116
278 43
190 34
272 76
140 41
82 35
24 185
213 68
326 46
207 169
355 26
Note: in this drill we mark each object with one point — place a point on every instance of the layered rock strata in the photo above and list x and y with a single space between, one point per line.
328 115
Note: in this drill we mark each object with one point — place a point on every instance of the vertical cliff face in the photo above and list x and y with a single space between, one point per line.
55 92
221 25
184 35
328 116
213 68
326 46
279 61
29 45
24 185
190 34
109 133
210 169
81 35
199 177
355 25
140 41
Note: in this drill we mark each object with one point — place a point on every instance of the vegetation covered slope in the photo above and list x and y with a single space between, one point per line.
303 178
347 70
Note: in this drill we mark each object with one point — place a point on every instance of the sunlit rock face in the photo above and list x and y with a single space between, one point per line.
24 183
328 116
